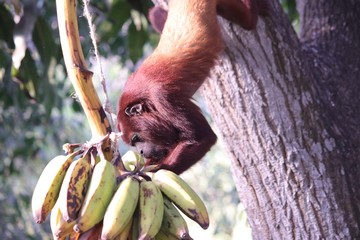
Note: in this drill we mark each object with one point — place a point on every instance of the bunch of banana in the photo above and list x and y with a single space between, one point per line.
91 205
146 201
135 211
80 190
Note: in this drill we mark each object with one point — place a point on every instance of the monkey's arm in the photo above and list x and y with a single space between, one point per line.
187 153
244 13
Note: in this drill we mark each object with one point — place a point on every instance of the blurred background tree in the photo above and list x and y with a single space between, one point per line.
39 112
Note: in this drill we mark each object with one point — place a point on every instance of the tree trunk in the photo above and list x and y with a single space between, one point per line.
288 110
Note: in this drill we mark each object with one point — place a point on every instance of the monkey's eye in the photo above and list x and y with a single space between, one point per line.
135 139
134 110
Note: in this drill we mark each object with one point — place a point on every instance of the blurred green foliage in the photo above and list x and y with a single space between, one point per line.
39 112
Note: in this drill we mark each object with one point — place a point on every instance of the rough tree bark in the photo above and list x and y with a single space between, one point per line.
287 107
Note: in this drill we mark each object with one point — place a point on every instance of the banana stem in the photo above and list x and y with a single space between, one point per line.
80 76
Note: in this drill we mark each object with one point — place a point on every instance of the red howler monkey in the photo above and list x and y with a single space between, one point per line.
155 111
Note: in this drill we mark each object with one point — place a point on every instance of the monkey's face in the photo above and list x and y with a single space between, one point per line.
150 151
143 128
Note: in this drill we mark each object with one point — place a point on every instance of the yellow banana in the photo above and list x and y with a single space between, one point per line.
173 223
151 206
182 195
74 187
48 186
98 196
59 227
121 208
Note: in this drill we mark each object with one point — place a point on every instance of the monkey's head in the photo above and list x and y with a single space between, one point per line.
141 130
143 126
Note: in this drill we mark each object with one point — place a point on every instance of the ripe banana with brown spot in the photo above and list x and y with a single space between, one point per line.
93 233
173 222
74 187
151 205
59 227
120 211
182 195
98 196
48 186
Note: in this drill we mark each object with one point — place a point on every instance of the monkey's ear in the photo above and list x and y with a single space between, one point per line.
134 110
157 17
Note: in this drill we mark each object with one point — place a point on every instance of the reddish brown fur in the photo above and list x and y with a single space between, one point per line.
156 113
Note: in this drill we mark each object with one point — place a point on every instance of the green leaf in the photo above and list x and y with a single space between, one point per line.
119 13
45 43
6 33
136 41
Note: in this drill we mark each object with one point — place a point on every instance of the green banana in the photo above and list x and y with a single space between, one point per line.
74 187
151 206
48 186
125 234
132 159
182 195
98 196
161 235
121 208
134 232
59 227
173 222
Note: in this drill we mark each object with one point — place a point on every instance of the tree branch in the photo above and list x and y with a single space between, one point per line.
80 76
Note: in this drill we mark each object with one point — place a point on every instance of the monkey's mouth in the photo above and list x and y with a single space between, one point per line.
153 156
149 150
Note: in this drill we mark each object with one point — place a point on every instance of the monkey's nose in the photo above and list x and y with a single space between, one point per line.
145 154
